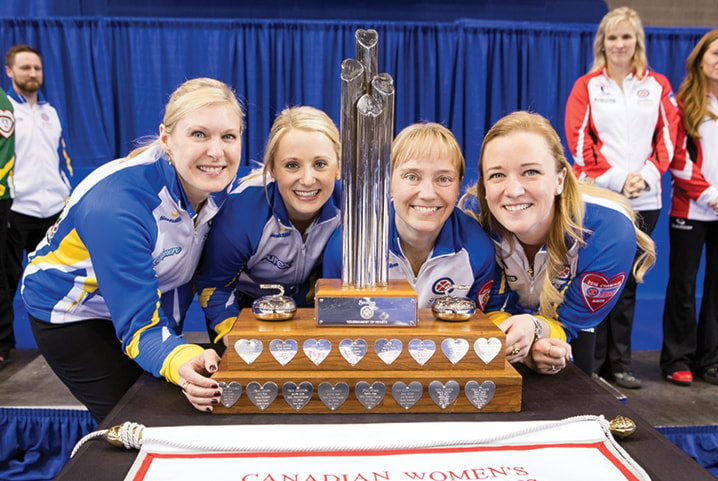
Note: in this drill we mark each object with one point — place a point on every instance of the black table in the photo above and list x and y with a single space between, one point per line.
155 403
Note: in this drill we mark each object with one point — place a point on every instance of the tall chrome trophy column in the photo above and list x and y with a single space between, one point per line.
365 295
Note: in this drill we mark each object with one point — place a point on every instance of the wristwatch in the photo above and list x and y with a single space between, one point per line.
539 329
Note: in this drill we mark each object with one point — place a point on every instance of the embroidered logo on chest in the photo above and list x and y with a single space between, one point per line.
597 291
442 285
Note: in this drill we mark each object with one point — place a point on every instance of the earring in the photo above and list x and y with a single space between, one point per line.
559 191
168 154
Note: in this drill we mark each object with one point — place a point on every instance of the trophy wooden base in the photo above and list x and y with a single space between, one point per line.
296 367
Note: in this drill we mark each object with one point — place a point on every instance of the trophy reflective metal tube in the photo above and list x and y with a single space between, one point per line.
367 42
352 85
368 116
383 91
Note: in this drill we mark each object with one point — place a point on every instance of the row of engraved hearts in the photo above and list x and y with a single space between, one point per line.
354 350
369 395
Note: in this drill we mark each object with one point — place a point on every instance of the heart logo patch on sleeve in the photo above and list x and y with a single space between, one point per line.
597 291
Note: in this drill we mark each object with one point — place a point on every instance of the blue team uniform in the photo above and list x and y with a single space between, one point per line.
591 281
253 242
463 255
136 213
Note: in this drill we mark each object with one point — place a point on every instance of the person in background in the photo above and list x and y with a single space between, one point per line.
564 249
687 347
7 158
621 122
40 183
107 290
432 244
274 225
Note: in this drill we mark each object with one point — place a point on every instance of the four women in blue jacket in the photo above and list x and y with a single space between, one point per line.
118 264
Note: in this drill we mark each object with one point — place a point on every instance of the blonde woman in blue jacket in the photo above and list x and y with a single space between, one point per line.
107 290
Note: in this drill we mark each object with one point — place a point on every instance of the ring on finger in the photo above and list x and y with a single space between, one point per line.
553 368
516 351
184 386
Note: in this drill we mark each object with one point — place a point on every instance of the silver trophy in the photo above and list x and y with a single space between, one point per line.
367 130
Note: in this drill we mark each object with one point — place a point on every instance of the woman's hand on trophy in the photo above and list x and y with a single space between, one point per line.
201 391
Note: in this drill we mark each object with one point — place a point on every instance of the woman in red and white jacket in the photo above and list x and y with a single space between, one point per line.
621 122
689 347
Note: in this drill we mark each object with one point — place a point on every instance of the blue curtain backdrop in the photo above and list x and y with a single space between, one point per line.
110 77
416 10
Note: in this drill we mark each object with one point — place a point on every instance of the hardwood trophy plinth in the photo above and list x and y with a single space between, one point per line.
296 366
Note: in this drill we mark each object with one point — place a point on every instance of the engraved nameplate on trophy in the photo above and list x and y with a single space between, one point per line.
454 349
317 350
333 396
487 349
283 351
370 395
260 395
444 395
391 306
353 350
230 393
421 350
248 349
480 394
407 396
388 350
297 396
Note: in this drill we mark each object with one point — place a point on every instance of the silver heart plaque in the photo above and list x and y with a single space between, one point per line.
444 394
370 395
454 349
297 396
421 351
406 396
333 396
353 351
262 396
480 394
487 349
388 350
283 351
316 351
230 393
248 349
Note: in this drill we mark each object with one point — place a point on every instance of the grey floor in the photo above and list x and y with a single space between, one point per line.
27 381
